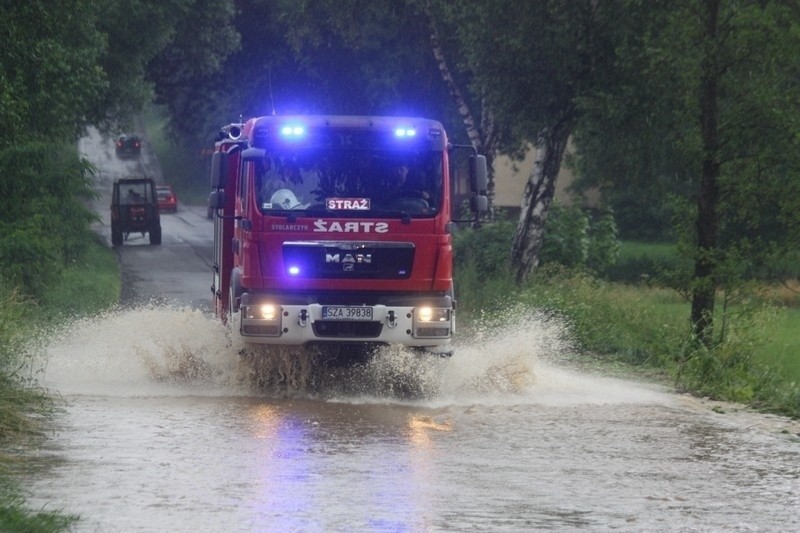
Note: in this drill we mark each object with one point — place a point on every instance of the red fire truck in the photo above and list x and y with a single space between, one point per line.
336 230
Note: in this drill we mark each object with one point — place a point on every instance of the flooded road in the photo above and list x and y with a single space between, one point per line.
163 430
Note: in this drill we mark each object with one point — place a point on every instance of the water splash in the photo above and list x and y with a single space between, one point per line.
149 350
159 349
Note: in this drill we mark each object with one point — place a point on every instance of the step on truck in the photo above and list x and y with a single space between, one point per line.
336 230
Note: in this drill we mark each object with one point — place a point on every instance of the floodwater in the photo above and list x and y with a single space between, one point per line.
164 432
167 427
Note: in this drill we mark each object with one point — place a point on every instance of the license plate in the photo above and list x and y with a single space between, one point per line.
346 313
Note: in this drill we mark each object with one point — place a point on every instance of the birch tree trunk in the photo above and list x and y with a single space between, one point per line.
536 200
481 136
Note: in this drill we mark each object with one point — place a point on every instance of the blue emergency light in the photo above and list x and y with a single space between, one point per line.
293 131
405 132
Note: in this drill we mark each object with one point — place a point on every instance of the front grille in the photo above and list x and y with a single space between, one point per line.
266 331
347 328
433 332
349 260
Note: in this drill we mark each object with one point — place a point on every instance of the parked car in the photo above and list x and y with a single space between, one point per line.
128 145
167 199
134 210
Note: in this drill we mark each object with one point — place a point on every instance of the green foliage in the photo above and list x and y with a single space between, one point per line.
726 369
548 56
13 516
737 172
486 249
44 222
50 81
481 265
184 164
647 327
15 310
635 326
357 57
188 69
89 284
567 237
18 401
639 209
650 263
576 239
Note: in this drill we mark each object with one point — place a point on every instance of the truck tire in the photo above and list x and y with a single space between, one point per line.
155 235
116 235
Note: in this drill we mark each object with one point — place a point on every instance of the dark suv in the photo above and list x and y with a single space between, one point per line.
134 209
128 145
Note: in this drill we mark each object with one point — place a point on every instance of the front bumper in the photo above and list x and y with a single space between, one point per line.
426 323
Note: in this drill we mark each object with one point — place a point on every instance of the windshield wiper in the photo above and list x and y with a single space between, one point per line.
405 217
293 214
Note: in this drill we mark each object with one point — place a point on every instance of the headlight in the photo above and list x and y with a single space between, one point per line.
432 323
269 312
261 320
433 314
261 312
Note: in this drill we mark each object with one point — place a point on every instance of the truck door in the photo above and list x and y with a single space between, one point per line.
224 177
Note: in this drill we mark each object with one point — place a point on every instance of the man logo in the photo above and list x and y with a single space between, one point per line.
349 258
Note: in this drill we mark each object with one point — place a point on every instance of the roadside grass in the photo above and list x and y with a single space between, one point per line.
782 348
90 285
76 293
646 328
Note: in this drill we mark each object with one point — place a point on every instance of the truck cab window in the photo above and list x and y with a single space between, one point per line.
387 182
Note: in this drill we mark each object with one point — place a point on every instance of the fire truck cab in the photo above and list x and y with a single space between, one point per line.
336 229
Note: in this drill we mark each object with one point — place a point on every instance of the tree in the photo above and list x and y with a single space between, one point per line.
710 92
187 73
535 62
50 83
62 70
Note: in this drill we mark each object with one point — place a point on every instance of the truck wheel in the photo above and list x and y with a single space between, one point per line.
155 235
235 292
116 235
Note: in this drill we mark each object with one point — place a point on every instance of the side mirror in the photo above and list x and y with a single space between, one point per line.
479 204
219 169
216 200
254 154
478 180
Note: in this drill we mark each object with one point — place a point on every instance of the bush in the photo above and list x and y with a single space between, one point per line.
576 238
486 250
650 262
44 222
481 263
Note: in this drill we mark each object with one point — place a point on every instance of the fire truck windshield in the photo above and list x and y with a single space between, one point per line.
362 183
